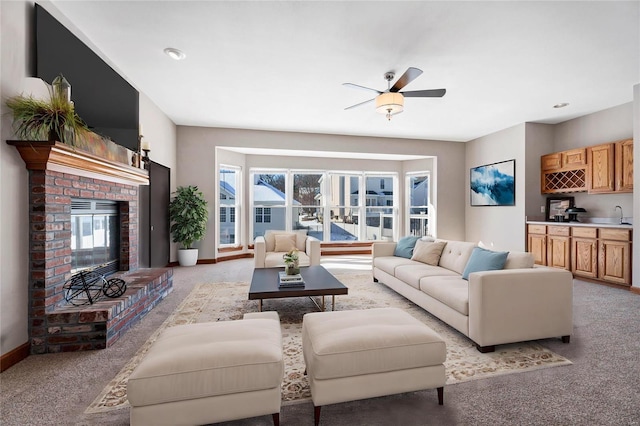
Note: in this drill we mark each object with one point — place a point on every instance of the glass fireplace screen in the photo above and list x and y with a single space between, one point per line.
95 236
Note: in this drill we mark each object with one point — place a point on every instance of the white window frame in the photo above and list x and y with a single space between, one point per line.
237 205
430 209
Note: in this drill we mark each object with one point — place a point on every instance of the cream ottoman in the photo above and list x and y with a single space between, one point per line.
210 372
367 353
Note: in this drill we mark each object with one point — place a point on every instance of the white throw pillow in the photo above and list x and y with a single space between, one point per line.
285 243
519 260
428 252
270 239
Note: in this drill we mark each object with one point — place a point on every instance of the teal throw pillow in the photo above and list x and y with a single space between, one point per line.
484 260
405 246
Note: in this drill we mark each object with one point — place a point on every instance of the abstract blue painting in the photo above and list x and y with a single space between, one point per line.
494 184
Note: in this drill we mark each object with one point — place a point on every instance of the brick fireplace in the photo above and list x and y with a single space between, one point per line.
57 174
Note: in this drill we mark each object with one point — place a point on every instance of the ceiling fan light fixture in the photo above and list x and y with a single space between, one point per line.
390 103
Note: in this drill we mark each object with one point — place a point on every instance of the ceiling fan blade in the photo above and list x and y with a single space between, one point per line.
356 86
434 93
409 75
360 104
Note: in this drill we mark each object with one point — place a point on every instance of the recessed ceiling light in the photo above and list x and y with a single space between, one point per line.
175 54
561 105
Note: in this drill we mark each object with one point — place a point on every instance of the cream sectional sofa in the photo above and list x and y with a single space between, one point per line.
518 303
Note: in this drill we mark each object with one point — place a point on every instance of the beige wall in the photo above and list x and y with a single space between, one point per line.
16 44
539 141
501 227
196 155
14 217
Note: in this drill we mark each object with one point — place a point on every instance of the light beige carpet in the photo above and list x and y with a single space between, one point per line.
228 301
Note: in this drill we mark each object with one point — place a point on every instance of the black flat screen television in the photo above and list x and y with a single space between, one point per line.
102 98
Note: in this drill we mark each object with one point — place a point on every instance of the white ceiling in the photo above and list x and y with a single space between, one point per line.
280 65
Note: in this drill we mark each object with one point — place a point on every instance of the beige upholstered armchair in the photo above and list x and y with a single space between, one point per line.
268 250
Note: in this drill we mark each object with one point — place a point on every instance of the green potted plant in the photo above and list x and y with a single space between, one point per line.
188 214
54 119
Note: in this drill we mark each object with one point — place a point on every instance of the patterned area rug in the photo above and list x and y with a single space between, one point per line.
228 301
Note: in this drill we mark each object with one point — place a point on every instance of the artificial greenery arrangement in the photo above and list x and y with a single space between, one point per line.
54 119
292 262
188 214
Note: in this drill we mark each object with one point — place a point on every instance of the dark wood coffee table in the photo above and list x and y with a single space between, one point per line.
317 282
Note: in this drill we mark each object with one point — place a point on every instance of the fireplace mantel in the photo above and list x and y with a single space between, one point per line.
56 156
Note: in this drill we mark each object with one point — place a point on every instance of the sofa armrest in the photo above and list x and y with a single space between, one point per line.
382 248
259 251
513 305
312 248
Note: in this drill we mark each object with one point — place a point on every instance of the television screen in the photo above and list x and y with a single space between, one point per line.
102 98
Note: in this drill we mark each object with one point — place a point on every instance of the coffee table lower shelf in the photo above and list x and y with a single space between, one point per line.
318 282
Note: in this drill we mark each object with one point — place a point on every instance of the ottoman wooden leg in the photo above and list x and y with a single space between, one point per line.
316 415
440 395
276 419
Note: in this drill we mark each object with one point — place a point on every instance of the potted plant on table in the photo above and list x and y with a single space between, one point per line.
292 262
188 215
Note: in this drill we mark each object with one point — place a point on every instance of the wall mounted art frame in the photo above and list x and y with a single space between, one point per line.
557 206
493 184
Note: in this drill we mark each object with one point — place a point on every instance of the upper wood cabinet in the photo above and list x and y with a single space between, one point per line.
600 170
624 166
563 171
574 158
596 169
551 161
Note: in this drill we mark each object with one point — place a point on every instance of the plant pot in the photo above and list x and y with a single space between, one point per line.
292 268
187 257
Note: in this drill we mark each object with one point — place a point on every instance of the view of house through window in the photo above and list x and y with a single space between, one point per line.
306 213
229 182
329 206
269 201
343 202
418 211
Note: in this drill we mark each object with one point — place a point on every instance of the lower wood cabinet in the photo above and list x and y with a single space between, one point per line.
614 256
558 247
597 253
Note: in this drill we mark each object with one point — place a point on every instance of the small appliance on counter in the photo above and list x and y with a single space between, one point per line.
573 213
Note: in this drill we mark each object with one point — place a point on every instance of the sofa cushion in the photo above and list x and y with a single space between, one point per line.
411 274
484 260
285 242
405 246
456 255
519 260
207 359
274 259
453 291
270 239
428 252
389 264
341 344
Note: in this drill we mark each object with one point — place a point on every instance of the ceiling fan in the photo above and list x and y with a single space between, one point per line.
391 101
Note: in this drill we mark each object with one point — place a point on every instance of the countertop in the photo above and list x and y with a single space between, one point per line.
588 224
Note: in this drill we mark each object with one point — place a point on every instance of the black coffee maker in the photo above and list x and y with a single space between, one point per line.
573 213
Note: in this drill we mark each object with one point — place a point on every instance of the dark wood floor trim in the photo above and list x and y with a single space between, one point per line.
15 356
594 281
220 259
230 249
635 290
